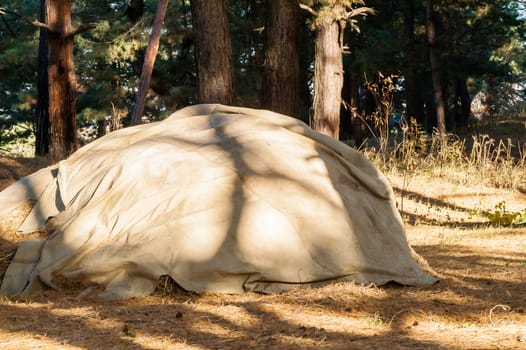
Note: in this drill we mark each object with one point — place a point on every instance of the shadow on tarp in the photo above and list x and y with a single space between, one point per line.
181 328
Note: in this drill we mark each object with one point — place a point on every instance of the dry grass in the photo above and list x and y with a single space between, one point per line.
496 159
480 302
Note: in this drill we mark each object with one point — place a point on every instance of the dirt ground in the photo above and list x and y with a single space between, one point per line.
479 303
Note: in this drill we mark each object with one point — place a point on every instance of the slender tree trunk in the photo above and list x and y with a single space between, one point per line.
62 84
305 60
489 100
213 51
435 68
463 101
149 61
42 109
412 87
328 78
280 91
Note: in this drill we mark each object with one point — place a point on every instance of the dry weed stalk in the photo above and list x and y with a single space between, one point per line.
501 164
503 307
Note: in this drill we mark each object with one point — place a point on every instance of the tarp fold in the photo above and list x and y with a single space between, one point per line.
221 199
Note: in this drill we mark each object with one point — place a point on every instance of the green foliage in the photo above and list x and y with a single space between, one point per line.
481 41
91 114
500 216
375 320
16 139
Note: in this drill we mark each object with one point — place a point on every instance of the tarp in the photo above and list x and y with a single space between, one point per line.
221 199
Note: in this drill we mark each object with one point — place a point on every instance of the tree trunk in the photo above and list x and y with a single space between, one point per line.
149 61
280 90
462 102
62 85
42 138
328 78
306 58
213 51
135 10
490 97
415 107
435 68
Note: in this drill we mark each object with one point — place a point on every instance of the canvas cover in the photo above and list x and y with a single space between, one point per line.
221 199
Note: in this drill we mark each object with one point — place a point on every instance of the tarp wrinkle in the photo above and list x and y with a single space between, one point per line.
219 198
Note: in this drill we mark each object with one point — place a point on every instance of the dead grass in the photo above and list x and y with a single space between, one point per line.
480 302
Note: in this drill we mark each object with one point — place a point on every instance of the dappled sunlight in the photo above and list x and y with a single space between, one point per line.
335 316
477 303
219 198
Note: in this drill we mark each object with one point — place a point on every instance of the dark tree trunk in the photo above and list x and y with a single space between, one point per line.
62 85
280 91
328 78
135 10
435 68
42 109
415 106
462 103
305 60
360 130
448 96
213 51
149 61
352 122
489 100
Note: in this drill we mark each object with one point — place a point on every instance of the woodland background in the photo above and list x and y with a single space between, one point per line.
349 68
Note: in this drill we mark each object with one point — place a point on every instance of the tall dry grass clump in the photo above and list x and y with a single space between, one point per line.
481 160
406 149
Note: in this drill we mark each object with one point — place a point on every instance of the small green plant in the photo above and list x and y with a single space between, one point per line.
16 139
502 217
375 320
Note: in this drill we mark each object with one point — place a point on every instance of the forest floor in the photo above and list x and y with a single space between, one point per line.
479 303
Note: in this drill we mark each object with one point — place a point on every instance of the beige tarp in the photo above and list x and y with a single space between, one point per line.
222 199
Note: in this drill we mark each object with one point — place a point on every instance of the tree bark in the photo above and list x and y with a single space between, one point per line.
149 61
462 103
213 51
435 68
328 78
415 107
135 10
490 97
62 84
281 76
42 137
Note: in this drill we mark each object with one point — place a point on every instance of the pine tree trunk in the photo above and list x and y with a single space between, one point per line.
435 68
489 98
42 138
62 85
415 107
213 51
463 101
280 90
149 61
328 78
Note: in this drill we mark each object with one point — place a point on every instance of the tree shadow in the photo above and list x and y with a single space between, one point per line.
413 218
179 321
119 325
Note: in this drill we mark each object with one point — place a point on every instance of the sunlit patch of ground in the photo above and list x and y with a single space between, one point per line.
480 302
